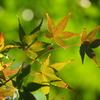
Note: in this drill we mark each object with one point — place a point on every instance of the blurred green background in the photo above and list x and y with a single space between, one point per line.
83 78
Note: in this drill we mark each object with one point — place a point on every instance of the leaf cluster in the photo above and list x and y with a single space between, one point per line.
21 83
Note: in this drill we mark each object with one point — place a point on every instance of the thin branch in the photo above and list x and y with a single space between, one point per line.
51 50
11 77
8 80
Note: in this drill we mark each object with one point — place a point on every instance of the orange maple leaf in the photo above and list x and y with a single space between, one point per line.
57 32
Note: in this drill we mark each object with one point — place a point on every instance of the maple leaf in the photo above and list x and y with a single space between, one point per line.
29 43
47 75
88 42
34 48
57 32
6 70
9 72
2 68
6 93
6 88
4 48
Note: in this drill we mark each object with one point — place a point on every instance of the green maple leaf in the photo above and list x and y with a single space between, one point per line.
29 43
47 76
88 42
57 32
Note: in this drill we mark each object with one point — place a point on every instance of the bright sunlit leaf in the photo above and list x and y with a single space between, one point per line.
36 47
31 54
47 75
1 55
4 90
8 47
29 43
6 93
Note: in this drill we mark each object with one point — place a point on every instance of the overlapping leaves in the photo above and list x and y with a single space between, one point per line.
6 87
24 80
6 70
25 85
88 42
4 48
47 75
57 32
29 43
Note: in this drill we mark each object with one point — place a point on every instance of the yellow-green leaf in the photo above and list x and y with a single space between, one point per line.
38 46
47 74
31 54
59 66
30 39
9 46
7 92
1 55
62 84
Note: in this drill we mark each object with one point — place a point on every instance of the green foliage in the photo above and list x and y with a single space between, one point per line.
24 79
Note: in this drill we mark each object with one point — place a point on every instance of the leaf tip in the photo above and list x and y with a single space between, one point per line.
18 18
71 89
70 13
84 26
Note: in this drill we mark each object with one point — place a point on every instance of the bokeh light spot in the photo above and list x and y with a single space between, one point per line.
85 3
27 14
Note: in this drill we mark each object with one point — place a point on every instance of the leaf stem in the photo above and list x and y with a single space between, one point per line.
8 80
11 77
50 49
